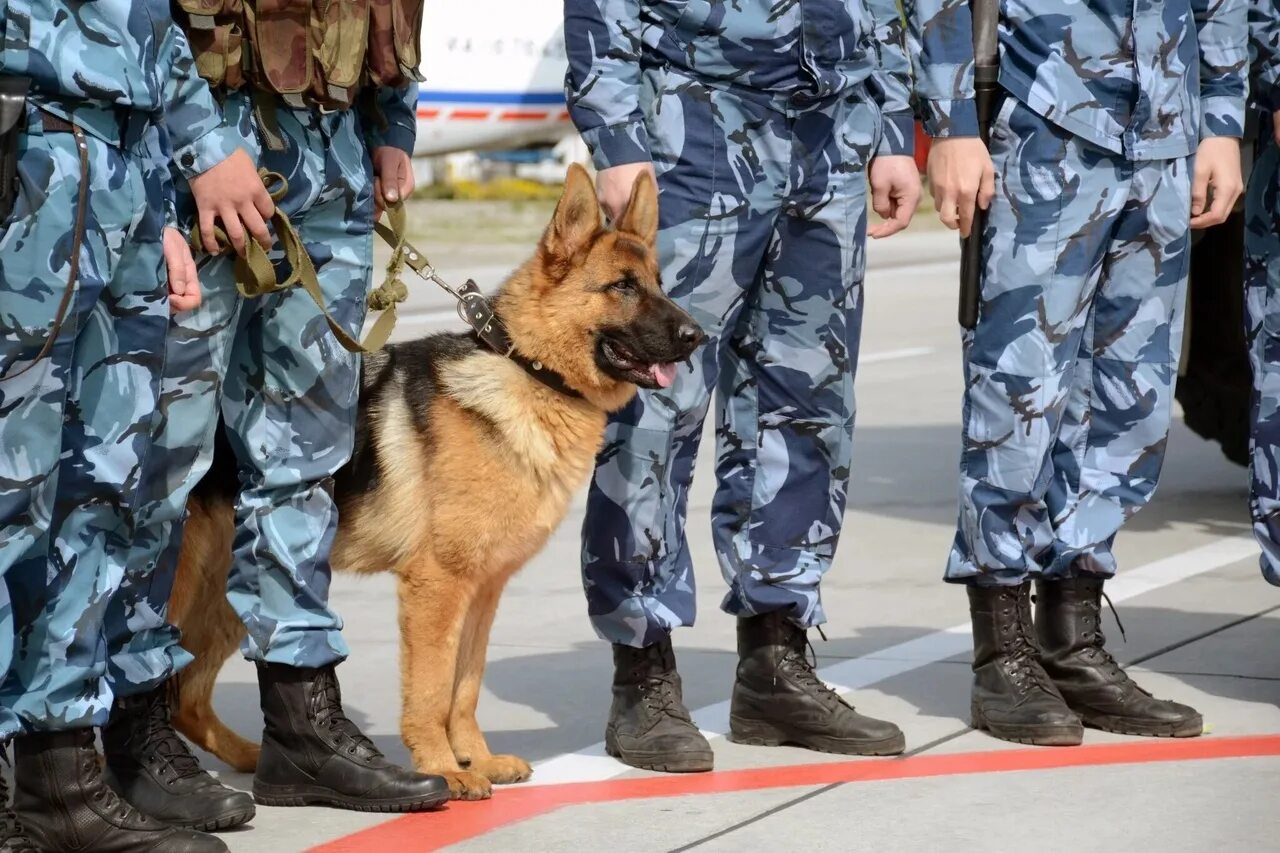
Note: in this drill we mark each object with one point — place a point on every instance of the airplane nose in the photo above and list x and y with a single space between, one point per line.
690 334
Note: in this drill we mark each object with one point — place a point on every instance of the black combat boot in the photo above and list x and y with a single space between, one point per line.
313 755
65 804
1072 651
779 699
1013 698
649 726
13 835
152 768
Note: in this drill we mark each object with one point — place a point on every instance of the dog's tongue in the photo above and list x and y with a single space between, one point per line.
663 374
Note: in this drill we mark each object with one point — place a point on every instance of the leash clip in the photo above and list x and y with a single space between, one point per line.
477 313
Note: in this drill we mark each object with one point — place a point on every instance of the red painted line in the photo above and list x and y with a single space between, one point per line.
461 821
564 116
469 115
524 115
428 113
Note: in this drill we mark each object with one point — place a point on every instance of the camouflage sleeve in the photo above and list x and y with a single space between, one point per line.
1224 62
399 107
1264 44
602 85
893 79
198 135
941 46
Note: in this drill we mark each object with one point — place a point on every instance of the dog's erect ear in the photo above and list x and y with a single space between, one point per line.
641 216
577 217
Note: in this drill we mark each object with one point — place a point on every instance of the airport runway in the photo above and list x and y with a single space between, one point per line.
1202 627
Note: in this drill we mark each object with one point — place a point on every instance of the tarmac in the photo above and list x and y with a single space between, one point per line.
1201 626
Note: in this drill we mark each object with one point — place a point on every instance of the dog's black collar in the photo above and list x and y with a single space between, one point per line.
489 332
545 375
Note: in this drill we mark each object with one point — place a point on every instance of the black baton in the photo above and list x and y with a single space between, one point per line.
986 74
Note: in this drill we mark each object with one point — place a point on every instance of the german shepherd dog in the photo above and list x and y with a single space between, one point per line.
464 464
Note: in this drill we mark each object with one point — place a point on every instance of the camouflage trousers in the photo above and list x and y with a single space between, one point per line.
1262 317
286 392
1069 374
762 240
75 426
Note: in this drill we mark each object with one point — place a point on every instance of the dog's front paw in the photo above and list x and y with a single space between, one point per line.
503 769
467 785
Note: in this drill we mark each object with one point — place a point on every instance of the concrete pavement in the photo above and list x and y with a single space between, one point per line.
1202 627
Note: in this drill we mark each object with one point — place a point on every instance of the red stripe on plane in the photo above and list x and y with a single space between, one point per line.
525 115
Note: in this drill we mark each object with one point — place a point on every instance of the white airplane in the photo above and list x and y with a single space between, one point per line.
494 75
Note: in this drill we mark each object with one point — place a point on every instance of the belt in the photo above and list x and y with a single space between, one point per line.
51 123
121 127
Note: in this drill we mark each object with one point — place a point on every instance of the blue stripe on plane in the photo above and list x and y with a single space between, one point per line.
549 99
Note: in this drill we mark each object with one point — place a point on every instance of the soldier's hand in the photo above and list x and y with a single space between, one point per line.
233 193
613 186
392 178
184 284
1217 182
963 179
895 193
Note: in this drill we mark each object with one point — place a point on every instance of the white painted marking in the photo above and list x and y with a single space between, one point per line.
894 355
592 765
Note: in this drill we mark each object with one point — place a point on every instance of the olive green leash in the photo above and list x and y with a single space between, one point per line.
256 275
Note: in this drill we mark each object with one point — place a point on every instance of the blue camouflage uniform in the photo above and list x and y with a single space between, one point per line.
75 425
760 118
286 391
1262 284
1069 374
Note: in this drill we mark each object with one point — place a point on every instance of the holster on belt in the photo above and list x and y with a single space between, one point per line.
13 102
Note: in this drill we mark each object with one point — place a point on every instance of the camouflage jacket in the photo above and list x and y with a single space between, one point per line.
804 51
111 60
1264 44
1147 79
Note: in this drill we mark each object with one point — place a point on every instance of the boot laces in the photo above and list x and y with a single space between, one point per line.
13 834
658 692
803 660
11 829
660 698
102 793
1097 649
327 706
162 741
1022 654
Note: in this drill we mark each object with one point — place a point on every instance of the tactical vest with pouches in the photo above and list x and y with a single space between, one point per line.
318 53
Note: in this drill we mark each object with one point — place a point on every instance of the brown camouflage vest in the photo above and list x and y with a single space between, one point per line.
310 52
